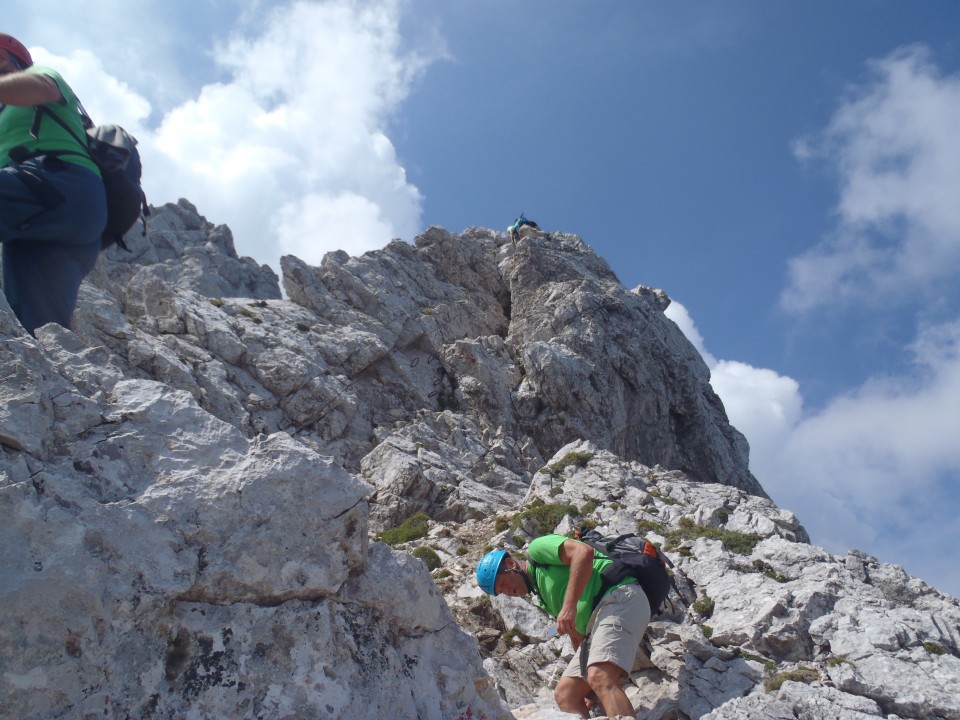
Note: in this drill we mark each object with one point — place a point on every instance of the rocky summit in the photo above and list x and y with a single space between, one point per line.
223 501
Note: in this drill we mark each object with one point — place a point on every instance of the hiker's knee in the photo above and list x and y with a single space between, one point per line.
603 676
571 694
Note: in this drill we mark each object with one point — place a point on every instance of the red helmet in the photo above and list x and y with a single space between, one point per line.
15 48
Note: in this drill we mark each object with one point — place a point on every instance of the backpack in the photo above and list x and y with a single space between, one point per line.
114 151
634 557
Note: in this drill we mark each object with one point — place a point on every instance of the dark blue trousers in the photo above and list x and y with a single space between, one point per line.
52 214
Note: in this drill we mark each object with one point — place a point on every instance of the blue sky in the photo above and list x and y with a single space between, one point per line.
789 173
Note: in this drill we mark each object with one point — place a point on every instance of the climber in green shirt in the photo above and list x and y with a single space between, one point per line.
53 206
565 576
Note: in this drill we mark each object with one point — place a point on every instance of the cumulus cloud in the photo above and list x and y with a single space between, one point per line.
291 151
146 41
681 316
894 145
876 468
762 404
290 145
105 97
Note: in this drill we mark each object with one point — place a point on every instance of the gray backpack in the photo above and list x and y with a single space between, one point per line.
634 557
114 151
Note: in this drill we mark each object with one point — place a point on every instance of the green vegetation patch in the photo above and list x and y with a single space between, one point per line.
665 499
736 542
645 526
768 664
577 458
412 528
704 606
428 556
801 674
759 566
547 515
934 648
248 314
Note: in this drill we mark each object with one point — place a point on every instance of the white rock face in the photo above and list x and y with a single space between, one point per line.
764 625
193 481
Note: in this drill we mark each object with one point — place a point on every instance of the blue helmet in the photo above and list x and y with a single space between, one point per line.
487 570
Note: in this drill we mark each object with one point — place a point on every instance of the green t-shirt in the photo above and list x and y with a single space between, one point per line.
16 123
550 576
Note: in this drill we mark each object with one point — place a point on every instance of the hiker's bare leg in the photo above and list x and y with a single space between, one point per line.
571 695
604 679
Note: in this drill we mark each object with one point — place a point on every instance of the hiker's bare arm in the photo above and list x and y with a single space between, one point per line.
579 557
24 89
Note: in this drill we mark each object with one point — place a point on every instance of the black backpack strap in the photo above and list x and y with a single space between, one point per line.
613 574
532 586
42 110
20 153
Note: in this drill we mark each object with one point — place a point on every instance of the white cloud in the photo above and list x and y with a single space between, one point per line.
876 469
760 403
149 44
681 316
290 147
347 220
106 98
895 146
292 151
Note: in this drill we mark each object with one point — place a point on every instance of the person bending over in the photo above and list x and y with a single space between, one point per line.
565 575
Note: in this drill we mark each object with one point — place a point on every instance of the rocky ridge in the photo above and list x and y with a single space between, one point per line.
763 624
196 476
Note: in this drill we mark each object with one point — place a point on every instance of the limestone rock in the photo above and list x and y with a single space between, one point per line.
193 481
157 561
184 250
764 625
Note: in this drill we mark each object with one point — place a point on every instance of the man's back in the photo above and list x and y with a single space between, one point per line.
29 130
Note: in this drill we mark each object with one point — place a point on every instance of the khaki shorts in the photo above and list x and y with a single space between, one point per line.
615 630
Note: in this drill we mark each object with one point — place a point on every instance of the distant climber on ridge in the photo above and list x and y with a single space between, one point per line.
605 617
520 222
53 205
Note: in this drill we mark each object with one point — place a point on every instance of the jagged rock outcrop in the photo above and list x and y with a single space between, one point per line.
765 625
194 478
159 563
185 251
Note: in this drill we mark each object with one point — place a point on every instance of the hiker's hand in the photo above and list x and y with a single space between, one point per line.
576 638
567 622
